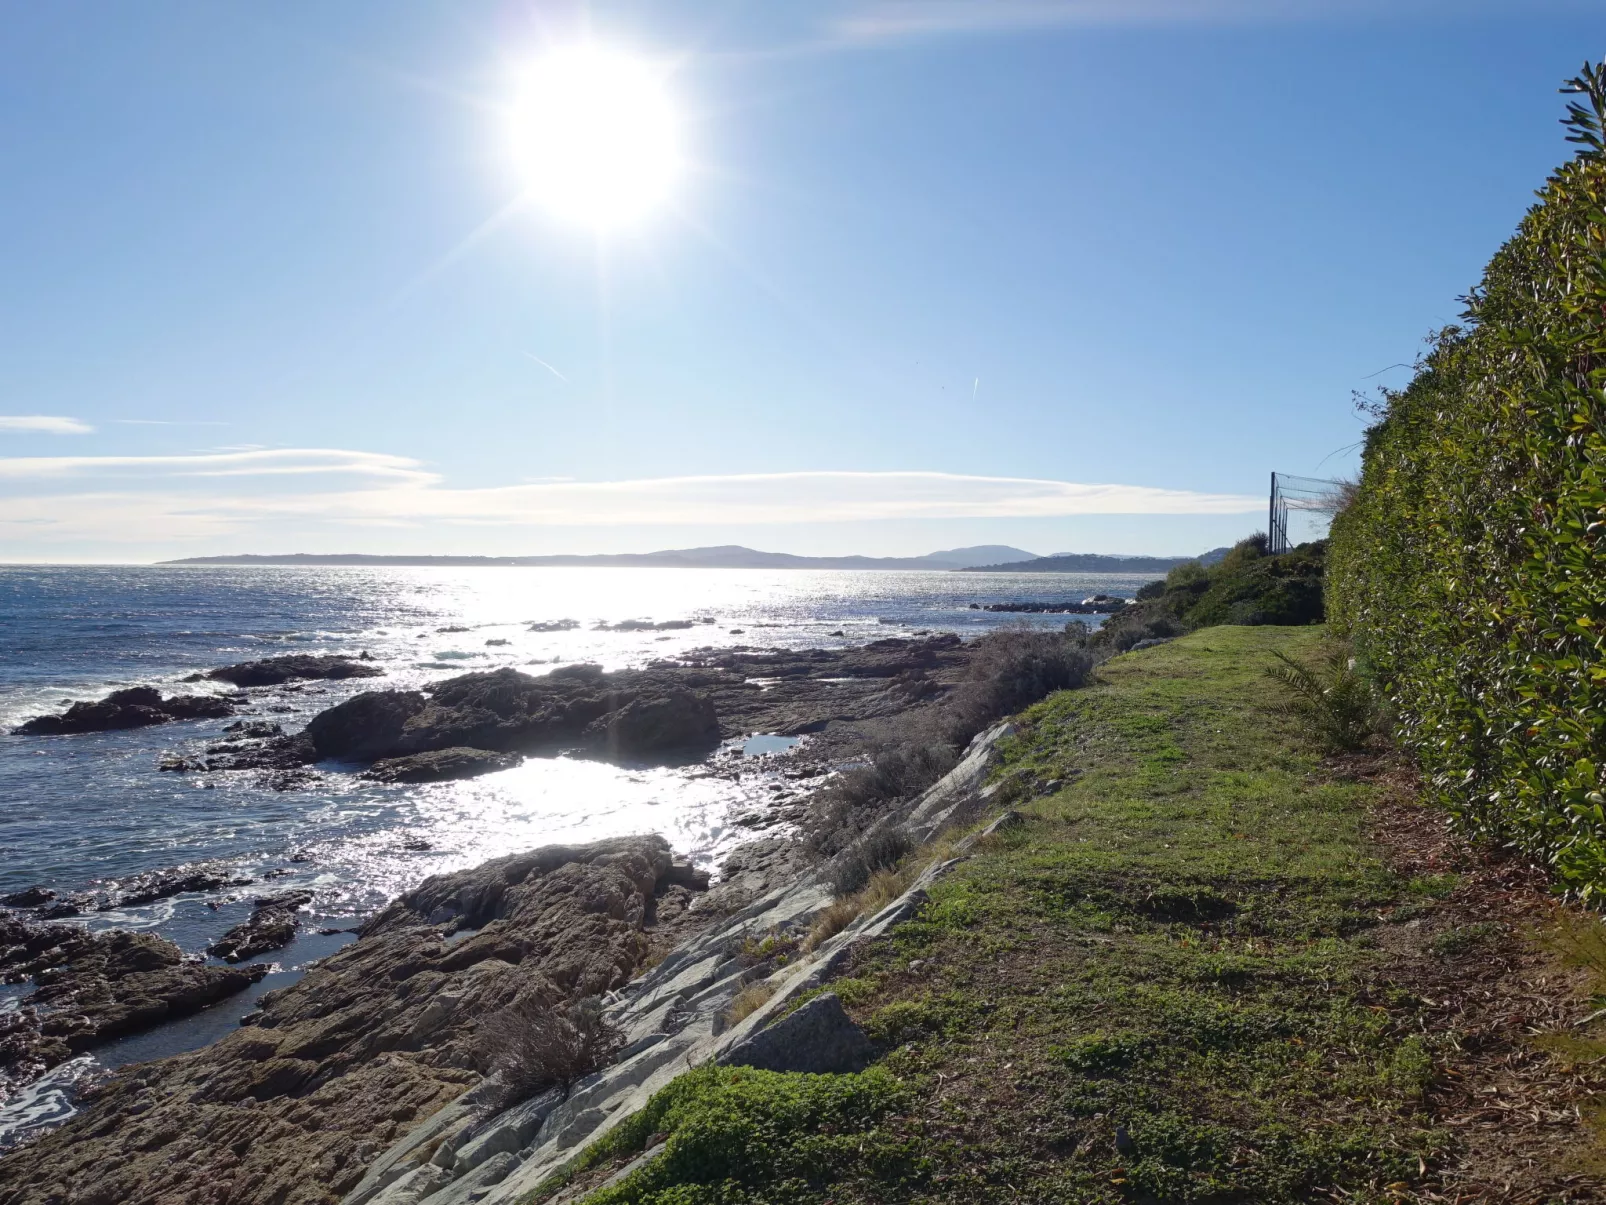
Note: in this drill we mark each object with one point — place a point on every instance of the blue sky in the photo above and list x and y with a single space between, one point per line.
933 268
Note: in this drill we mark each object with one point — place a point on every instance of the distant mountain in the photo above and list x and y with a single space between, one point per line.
727 556
1093 562
981 554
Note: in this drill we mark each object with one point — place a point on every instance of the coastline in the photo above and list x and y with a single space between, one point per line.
1114 916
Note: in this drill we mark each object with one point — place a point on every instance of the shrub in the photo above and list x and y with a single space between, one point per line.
1470 567
533 1046
1009 671
880 849
1337 705
1247 586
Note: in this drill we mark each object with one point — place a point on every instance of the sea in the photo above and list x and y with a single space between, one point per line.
84 811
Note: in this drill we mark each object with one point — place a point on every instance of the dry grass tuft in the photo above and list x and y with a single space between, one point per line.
883 887
748 1001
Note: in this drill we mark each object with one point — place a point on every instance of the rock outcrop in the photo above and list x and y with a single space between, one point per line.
677 1016
94 987
295 667
441 765
666 711
136 707
271 925
294 1106
648 725
819 1038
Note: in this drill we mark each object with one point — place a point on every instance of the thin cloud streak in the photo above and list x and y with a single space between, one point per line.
883 21
168 422
548 367
241 463
394 491
44 424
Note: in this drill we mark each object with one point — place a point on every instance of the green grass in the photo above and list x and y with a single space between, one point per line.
1163 987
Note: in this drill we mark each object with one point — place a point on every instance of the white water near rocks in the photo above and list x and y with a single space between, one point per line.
78 812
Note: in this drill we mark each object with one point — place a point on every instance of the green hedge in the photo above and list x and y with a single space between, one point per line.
1470 567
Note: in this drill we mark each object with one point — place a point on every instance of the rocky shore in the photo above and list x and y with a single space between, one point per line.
296 1104
384 1041
142 706
665 713
472 724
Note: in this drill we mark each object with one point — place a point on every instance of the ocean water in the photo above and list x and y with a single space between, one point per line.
81 811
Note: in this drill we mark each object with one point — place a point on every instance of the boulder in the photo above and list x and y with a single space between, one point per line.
273 671
28 897
680 721
136 707
254 729
270 927
819 1038
156 885
276 753
370 726
441 765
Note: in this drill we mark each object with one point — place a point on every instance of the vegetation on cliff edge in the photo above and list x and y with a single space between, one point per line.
1175 981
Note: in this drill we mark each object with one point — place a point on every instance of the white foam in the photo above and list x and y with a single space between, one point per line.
44 1103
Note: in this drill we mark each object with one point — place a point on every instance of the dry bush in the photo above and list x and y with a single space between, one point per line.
883 887
533 1046
1010 670
1125 629
748 1001
880 849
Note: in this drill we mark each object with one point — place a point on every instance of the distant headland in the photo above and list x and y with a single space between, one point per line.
998 558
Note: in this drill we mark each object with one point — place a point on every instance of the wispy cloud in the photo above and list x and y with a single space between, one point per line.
869 22
44 424
168 422
180 497
258 462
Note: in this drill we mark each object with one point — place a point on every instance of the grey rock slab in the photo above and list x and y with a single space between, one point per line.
672 1016
957 790
417 1185
819 1038
478 1185
509 1131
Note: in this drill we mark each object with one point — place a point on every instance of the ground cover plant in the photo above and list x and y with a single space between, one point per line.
1179 979
1470 567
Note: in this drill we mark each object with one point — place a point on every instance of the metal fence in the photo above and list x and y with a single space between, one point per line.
1301 510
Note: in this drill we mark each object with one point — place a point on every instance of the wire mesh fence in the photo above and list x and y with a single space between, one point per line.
1301 510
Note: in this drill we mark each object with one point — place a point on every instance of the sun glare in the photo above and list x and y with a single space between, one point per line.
595 136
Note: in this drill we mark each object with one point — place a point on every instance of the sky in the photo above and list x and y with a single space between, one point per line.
1071 275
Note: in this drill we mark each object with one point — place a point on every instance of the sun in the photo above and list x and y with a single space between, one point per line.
595 136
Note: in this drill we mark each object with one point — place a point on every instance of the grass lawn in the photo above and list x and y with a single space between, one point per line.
1171 983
